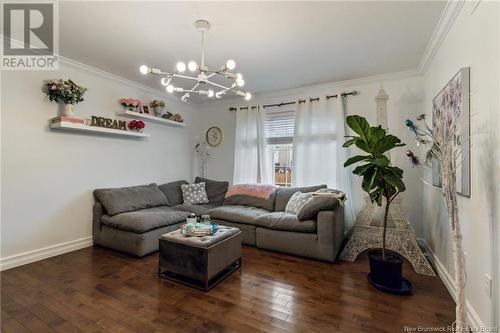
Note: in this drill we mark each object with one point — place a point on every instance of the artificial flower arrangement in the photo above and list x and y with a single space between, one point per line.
178 118
130 103
157 104
65 91
136 125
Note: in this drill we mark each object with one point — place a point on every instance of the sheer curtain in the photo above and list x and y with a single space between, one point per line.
252 162
318 156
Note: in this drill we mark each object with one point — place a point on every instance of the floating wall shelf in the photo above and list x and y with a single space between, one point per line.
147 117
67 126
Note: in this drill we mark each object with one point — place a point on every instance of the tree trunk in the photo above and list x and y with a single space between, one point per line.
449 187
384 231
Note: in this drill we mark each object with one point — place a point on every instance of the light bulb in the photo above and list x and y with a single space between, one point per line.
210 93
240 83
230 64
144 69
181 67
170 88
218 94
248 96
239 76
192 66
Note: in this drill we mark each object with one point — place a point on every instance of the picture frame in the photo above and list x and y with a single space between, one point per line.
461 84
145 109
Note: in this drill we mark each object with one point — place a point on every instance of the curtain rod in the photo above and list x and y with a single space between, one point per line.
352 93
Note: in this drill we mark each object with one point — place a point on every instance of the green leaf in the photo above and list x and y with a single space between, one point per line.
363 169
375 134
381 161
363 146
356 159
359 125
370 181
349 142
388 142
395 181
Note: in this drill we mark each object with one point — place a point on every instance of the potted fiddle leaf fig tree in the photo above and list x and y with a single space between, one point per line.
383 183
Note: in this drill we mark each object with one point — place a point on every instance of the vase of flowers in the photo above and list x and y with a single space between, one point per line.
130 104
136 125
66 93
157 106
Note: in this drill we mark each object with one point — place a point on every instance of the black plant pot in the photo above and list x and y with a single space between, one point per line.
387 274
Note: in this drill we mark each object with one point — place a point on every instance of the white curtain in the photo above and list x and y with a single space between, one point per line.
318 156
252 162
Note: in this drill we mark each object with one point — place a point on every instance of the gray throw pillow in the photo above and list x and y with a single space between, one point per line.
173 192
325 199
216 190
296 202
194 194
127 199
283 195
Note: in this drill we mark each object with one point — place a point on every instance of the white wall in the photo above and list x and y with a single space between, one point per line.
48 176
405 100
471 42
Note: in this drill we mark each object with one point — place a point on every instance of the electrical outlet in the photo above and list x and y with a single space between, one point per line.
487 285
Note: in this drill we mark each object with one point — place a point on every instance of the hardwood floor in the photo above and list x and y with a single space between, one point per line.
98 290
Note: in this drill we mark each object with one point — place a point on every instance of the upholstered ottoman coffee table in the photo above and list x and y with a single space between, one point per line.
200 262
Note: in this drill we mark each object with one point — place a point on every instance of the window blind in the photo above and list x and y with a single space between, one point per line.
279 128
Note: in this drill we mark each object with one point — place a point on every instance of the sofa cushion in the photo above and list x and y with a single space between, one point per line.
247 200
216 190
318 202
126 199
173 192
194 194
237 213
297 201
144 220
286 222
283 194
196 209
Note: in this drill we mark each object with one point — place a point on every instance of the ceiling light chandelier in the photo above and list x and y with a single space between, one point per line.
202 79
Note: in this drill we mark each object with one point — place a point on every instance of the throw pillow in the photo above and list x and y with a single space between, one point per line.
127 199
296 202
324 199
194 194
173 191
216 190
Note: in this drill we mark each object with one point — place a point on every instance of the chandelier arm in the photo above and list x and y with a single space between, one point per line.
192 89
186 77
218 85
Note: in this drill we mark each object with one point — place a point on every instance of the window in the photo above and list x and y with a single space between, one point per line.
283 164
279 130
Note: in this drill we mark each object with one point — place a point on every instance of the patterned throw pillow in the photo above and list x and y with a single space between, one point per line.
296 202
194 194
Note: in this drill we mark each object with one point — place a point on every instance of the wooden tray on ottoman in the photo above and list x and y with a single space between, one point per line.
200 262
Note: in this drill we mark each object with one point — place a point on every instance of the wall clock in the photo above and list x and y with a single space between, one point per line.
214 136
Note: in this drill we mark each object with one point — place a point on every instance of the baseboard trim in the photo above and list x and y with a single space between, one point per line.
474 319
44 253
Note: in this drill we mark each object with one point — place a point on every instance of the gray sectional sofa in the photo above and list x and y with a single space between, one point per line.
132 219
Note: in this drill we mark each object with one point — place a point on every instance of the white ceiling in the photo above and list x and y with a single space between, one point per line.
276 45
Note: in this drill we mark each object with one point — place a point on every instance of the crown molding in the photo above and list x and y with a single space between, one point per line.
111 76
450 13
